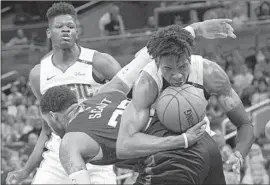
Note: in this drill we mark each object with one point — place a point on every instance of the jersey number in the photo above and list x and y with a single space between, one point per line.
83 91
116 116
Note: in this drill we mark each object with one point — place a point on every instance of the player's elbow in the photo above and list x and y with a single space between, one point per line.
123 148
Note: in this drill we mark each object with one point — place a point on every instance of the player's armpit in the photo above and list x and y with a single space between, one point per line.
105 66
217 83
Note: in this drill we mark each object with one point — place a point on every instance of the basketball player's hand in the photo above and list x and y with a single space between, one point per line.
196 132
235 160
215 28
16 177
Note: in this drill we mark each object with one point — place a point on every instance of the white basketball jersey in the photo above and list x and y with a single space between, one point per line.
195 76
77 77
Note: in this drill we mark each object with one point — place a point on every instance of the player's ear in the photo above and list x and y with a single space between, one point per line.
48 33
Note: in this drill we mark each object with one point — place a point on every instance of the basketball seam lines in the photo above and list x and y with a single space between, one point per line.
167 105
194 94
191 106
179 118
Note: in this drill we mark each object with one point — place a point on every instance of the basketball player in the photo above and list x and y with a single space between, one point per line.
83 71
50 171
95 125
173 65
78 172
96 128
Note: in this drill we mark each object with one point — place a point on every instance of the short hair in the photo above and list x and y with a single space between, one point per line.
61 8
57 99
171 40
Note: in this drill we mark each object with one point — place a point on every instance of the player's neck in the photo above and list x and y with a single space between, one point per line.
66 56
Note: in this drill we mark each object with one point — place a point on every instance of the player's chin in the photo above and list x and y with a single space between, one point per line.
65 45
177 84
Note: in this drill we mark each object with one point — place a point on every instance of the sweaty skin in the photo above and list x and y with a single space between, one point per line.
217 83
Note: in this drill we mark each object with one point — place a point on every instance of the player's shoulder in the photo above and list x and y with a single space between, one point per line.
146 86
35 72
212 68
86 55
215 78
100 57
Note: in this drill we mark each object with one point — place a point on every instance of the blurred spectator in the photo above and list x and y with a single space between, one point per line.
262 92
239 13
256 172
178 20
263 11
251 60
19 39
31 142
22 86
243 80
210 14
151 25
14 94
111 23
193 16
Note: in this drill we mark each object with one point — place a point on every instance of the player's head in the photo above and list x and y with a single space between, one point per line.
62 29
171 48
56 105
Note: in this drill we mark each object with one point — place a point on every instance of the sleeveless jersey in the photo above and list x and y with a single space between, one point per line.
195 78
78 77
100 120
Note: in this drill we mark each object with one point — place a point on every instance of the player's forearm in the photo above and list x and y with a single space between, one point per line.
36 157
245 133
236 112
141 145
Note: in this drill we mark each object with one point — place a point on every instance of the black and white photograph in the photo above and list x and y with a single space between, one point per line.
135 92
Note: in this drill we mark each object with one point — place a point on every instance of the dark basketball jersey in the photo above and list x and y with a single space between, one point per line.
100 120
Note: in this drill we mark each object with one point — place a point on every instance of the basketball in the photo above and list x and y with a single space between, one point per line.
179 108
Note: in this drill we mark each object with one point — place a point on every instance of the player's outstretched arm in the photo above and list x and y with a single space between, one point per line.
218 84
131 142
36 157
73 155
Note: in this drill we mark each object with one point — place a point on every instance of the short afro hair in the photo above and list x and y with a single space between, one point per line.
57 99
61 8
171 40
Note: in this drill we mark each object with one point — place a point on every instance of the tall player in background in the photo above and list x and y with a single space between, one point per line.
83 71
174 65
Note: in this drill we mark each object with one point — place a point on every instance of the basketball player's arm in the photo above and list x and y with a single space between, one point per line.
105 67
218 84
36 157
131 142
73 156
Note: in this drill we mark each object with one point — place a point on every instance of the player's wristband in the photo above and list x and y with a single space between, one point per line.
239 156
186 140
190 30
80 177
